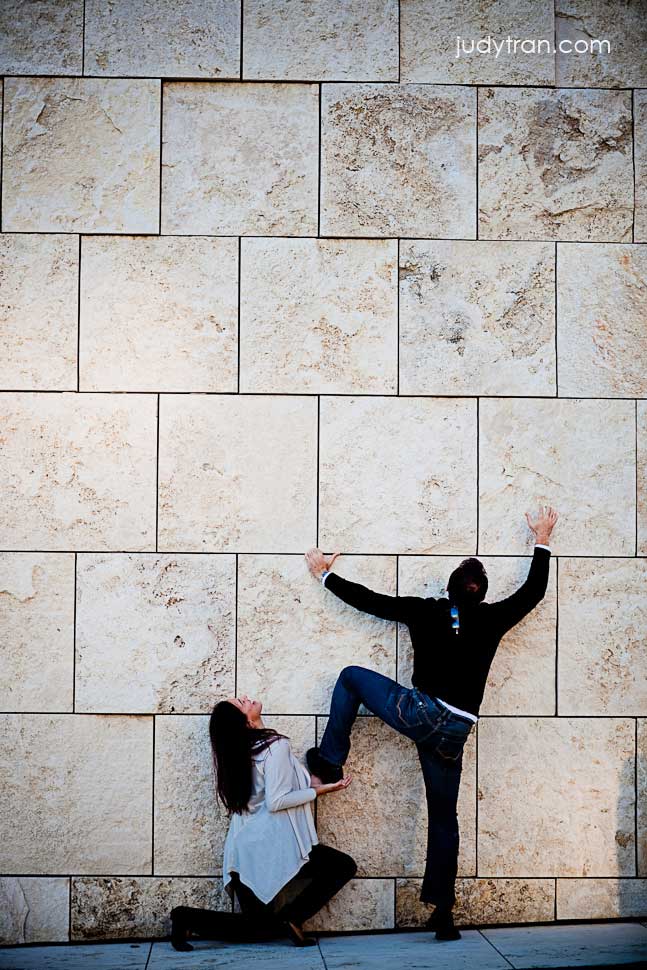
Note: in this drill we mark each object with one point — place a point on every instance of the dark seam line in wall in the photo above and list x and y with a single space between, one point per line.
2 146
239 283
83 43
636 467
397 625
397 283
636 834
159 214
399 42
554 43
218 875
477 161
240 68
78 320
555 899
319 167
299 552
633 163
556 361
74 636
188 79
153 806
392 397
69 909
476 801
318 714
157 476
556 636
236 628
478 463
317 469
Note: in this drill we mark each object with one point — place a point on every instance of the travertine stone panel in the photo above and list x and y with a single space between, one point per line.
34 909
154 633
240 159
522 676
77 471
362 904
38 316
110 908
602 308
576 816
77 793
576 455
288 623
396 475
641 789
319 315
555 164
623 25
143 38
482 901
340 40
429 31
159 314
237 473
477 317
601 898
602 665
640 163
81 155
42 37
37 623
388 786
398 160
641 430
190 823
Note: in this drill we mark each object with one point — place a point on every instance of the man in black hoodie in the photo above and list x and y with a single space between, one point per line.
454 640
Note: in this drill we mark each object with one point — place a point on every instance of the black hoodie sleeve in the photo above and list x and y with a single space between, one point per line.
401 608
508 612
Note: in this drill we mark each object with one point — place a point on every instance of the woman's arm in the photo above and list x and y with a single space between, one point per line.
279 779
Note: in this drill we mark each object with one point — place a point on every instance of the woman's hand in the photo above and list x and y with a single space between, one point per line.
333 786
317 562
544 525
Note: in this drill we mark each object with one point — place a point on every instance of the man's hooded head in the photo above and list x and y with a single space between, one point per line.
467 584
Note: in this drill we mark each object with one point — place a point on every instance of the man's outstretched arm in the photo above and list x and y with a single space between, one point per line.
508 612
400 608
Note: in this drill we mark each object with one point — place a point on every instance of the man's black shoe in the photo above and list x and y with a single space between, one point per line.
442 922
326 770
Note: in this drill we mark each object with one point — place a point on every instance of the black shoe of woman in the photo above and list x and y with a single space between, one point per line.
179 929
297 935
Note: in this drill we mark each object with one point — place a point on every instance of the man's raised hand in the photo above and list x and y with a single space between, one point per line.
544 524
317 561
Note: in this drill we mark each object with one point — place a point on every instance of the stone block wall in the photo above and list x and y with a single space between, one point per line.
281 273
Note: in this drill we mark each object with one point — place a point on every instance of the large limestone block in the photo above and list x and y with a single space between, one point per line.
42 37
477 317
77 471
294 636
81 155
396 475
237 473
620 27
429 45
154 633
602 666
602 308
641 434
34 909
145 38
77 793
522 676
601 898
37 624
38 316
319 315
240 159
556 796
555 164
190 823
340 40
361 905
159 314
129 908
640 162
641 790
398 160
381 819
482 901
576 455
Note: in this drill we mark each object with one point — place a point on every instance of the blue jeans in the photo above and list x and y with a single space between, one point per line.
439 735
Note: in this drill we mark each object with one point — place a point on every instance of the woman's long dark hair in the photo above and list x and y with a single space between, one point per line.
233 743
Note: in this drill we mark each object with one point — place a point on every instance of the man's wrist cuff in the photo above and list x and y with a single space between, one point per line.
325 573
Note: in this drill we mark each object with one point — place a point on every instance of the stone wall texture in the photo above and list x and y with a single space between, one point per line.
285 273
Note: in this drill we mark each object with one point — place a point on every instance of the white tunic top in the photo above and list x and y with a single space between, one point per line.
271 841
